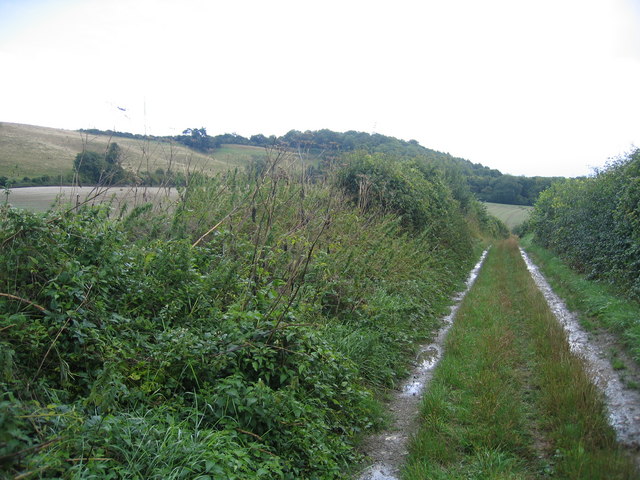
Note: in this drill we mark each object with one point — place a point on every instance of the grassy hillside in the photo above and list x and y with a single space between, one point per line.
511 215
31 151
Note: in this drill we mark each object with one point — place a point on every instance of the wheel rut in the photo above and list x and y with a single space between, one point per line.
623 403
387 450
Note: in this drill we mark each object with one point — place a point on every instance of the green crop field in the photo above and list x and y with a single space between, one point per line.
32 151
511 215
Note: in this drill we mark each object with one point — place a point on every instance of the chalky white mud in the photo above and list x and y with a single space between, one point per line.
623 403
388 449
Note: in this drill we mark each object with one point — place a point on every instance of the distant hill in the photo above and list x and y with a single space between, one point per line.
36 152
489 185
46 154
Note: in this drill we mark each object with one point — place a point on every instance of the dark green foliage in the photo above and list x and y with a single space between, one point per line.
327 146
487 184
593 223
97 168
239 335
115 133
197 139
260 140
507 189
409 190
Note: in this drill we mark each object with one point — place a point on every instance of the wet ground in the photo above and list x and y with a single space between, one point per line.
620 387
388 449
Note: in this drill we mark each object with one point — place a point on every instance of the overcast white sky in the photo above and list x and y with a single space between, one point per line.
545 87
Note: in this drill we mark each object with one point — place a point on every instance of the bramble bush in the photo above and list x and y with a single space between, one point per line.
244 333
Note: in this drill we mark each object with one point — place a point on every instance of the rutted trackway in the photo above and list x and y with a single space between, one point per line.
389 448
623 403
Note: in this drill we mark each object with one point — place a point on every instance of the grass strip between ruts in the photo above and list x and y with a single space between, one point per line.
599 304
509 399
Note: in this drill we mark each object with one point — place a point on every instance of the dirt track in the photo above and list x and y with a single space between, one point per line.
388 449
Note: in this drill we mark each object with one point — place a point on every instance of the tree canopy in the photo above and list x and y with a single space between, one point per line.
94 167
328 147
594 223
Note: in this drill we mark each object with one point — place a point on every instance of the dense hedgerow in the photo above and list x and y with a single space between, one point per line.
594 223
241 334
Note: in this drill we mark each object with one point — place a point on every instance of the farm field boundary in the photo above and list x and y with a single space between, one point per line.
511 215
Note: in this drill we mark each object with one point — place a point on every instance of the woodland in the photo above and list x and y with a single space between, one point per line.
326 146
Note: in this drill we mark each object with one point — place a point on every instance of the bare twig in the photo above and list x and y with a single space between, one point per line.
28 474
255 435
50 347
95 459
212 229
24 300
86 298
294 294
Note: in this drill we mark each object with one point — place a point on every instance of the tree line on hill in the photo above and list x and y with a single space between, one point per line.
489 185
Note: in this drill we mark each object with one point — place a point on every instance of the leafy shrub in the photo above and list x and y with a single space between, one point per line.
593 223
241 334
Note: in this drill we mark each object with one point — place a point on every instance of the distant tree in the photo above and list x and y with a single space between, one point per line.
93 167
89 166
231 138
259 140
113 155
197 139
507 189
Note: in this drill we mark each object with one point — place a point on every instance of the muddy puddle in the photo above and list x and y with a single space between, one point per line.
623 403
388 449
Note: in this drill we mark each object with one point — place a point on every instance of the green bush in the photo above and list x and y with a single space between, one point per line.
244 333
593 223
